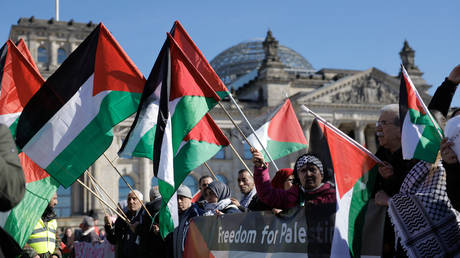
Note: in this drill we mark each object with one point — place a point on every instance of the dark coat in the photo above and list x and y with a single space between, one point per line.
126 241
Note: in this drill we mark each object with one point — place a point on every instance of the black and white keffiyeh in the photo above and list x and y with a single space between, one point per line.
422 215
309 159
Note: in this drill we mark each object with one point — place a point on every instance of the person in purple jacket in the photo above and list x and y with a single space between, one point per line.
309 186
310 191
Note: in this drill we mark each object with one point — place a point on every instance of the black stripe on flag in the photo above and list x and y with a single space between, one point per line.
403 101
58 89
156 76
320 147
3 52
163 112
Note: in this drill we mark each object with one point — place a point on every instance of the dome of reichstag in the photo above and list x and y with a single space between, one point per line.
243 60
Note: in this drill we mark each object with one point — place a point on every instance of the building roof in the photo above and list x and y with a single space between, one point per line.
245 57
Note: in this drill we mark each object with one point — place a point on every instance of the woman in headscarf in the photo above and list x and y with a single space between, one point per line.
308 187
217 196
309 190
283 179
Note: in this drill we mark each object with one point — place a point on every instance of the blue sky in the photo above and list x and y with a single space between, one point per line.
329 34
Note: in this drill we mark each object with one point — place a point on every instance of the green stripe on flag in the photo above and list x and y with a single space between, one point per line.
94 139
23 218
419 119
362 192
144 147
165 218
188 112
192 155
281 149
428 146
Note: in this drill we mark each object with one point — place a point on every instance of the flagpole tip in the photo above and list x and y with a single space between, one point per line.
304 108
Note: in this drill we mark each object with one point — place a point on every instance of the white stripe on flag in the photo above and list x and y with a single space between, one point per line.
65 125
340 243
411 134
262 133
146 121
166 166
172 206
8 119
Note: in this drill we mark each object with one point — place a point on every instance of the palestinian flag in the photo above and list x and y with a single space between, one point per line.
355 172
68 123
279 131
140 138
19 80
198 60
184 99
420 134
200 145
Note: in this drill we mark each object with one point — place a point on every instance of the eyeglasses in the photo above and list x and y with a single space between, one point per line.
382 123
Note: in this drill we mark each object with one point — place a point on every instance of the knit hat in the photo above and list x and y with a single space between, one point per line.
184 191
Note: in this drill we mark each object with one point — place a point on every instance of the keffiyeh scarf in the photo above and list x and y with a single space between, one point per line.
422 215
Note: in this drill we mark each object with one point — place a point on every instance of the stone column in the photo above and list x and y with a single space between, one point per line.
53 52
145 175
359 132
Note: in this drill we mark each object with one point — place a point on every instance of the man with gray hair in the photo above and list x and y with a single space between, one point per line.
394 168
123 235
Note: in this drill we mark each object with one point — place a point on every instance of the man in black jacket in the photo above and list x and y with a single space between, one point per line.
122 234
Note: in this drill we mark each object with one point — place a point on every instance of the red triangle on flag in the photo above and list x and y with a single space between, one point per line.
285 127
20 81
207 131
195 56
114 70
186 80
349 162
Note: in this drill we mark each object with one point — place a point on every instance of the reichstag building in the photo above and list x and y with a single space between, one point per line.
260 74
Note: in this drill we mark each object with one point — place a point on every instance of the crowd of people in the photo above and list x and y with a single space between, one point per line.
398 181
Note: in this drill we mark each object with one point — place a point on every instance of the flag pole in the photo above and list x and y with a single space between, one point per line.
91 191
103 206
105 192
250 126
335 129
132 190
210 170
421 101
242 161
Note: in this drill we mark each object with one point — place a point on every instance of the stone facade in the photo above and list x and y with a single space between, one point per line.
349 99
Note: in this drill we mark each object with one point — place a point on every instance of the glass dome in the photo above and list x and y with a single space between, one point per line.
245 57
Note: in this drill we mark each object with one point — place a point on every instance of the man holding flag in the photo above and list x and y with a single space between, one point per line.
422 196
